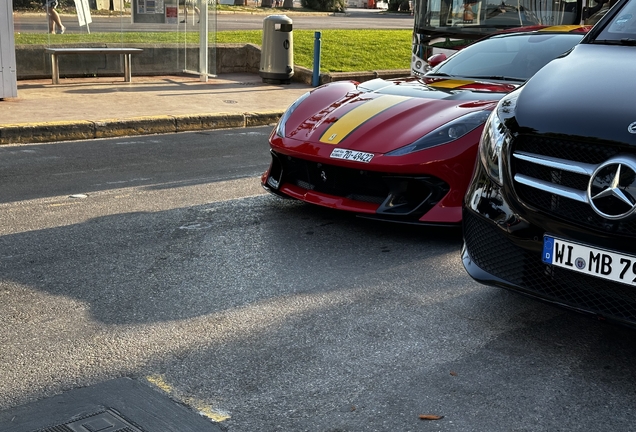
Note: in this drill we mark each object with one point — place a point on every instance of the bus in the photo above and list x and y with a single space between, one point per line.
444 26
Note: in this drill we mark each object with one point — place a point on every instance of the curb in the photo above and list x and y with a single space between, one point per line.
34 133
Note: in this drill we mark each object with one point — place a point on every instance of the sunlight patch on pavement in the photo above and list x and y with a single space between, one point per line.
206 411
160 382
96 349
201 407
53 212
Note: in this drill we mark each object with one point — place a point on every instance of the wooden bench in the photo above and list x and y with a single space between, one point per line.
124 52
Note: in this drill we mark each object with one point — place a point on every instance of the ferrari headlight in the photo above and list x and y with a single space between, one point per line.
451 131
495 135
280 127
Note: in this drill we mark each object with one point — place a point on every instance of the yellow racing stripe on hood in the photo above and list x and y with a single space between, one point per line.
450 83
357 116
560 28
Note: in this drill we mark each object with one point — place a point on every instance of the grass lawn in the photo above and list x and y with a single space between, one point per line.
342 50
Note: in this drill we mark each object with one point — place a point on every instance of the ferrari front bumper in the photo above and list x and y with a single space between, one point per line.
383 195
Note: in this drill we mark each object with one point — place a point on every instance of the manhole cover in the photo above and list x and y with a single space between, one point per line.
104 421
119 405
228 101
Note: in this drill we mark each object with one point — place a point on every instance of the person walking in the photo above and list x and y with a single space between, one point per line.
187 3
55 23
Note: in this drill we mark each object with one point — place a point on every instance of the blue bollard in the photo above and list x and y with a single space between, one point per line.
316 76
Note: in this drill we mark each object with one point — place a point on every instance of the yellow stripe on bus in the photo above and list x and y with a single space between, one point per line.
354 118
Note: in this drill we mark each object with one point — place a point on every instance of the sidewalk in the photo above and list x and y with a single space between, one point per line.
87 108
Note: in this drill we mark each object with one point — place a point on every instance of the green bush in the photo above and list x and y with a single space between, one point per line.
37 4
26 4
399 5
324 5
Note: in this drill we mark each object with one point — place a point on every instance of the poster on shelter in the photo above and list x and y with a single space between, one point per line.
150 6
172 15
83 12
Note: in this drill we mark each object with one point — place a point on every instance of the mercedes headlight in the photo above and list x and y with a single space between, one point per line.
451 131
280 127
494 136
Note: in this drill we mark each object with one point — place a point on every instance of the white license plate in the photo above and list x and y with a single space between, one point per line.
602 263
351 155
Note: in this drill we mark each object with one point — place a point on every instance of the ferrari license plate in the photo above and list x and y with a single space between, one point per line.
351 155
605 264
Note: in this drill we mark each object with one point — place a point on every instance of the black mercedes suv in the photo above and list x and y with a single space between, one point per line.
551 211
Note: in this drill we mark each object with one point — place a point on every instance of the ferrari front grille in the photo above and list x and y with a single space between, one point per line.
407 196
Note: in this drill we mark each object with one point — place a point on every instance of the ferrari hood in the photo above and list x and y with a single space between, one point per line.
383 115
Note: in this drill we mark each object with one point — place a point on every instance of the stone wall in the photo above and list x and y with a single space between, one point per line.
32 62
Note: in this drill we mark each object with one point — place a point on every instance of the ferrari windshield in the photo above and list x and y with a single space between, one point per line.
507 57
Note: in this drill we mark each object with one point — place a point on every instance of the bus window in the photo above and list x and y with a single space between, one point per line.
448 25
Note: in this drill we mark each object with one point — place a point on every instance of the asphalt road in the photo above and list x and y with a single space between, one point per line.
354 19
160 258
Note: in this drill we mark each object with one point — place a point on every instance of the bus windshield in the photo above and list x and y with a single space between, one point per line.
449 25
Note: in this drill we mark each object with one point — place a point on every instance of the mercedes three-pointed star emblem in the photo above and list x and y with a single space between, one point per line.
612 188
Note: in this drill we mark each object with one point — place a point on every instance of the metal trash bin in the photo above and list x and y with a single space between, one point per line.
277 51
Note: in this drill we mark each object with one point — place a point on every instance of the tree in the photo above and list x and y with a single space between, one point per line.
324 5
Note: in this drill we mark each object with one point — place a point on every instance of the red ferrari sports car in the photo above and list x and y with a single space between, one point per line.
404 149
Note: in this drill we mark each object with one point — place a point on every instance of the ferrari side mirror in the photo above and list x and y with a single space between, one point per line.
436 59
